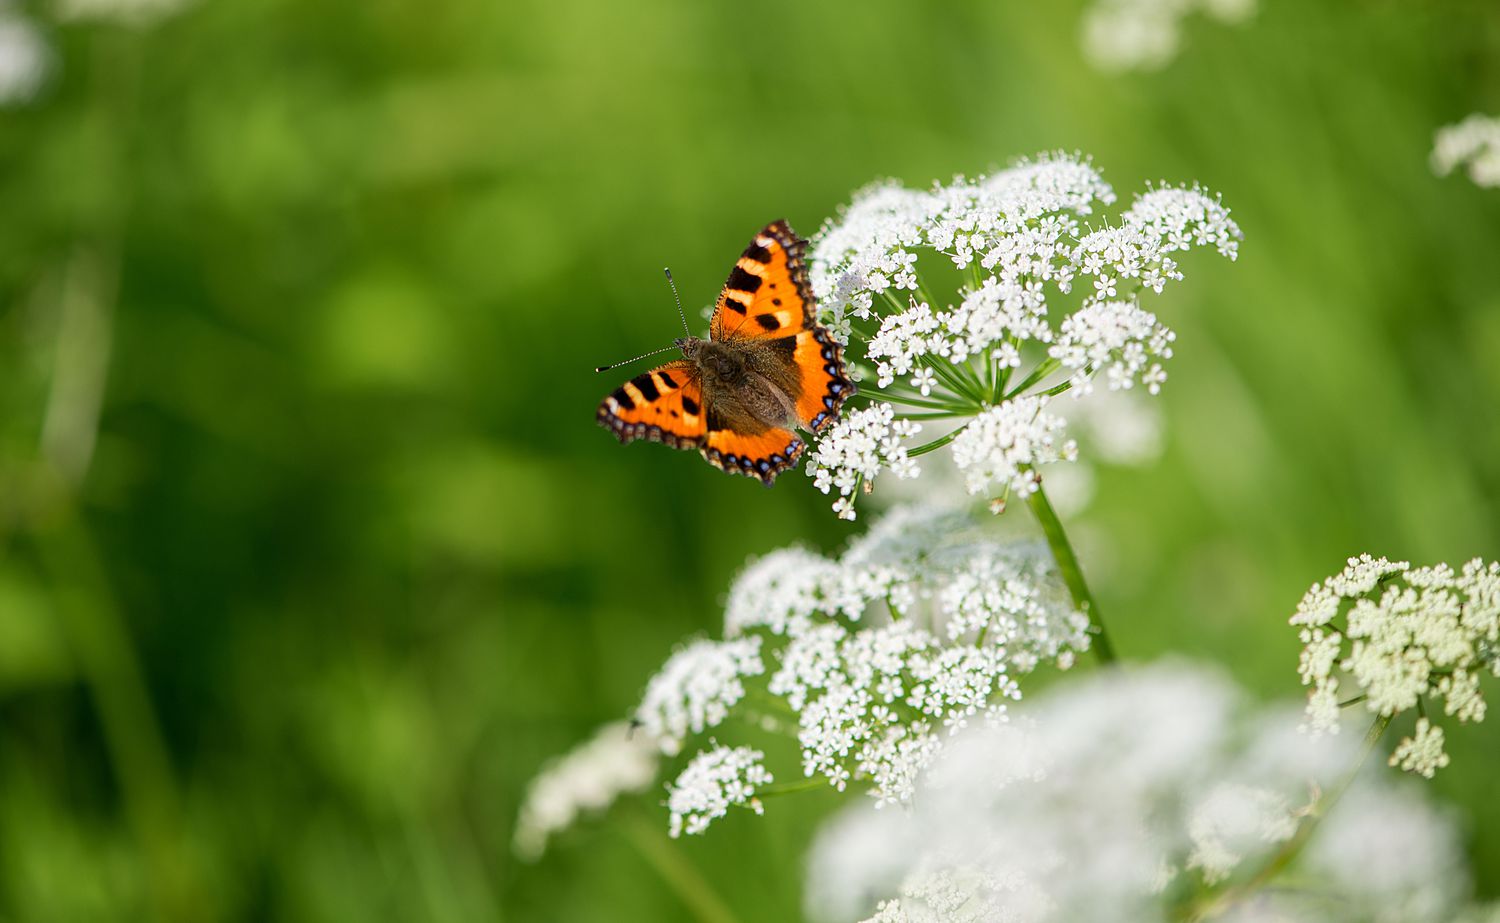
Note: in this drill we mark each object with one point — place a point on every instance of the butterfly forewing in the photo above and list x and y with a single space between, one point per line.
768 298
662 405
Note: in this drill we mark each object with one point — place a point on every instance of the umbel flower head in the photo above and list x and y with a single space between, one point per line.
1404 637
1144 795
868 660
975 303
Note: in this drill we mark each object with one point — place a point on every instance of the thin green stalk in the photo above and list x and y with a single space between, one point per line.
967 372
790 788
924 403
1005 372
942 415
1072 573
1044 368
686 882
954 381
1294 846
107 661
935 444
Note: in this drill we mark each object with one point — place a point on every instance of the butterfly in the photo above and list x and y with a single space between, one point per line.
766 369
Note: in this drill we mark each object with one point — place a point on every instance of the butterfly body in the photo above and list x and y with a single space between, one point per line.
766 370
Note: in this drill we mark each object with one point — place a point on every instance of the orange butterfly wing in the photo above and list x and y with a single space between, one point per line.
768 298
764 455
662 405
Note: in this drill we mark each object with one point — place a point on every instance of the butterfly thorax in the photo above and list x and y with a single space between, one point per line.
743 396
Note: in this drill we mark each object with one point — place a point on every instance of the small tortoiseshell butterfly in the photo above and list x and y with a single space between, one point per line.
767 368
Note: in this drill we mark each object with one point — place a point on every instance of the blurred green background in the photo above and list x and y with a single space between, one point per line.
311 553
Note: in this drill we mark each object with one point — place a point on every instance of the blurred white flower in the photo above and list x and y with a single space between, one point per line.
1124 35
713 782
1232 821
1387 844
1127 796
1116 427
618 760
1474 142
1401 635
24 56
130 12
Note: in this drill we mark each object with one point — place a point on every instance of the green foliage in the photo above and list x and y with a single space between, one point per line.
339 559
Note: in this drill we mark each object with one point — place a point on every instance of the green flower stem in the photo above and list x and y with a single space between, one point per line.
111 671
970 374
1043 369
1217 904
935 444
924 403
789 788
948 374
1072 573
1005 373
701 900
942 415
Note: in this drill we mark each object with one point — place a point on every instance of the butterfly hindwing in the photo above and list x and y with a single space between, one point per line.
662 405
763 455
819 363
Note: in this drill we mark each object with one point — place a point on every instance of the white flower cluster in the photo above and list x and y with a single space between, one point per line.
1135 795
696 689
856 449
1474 142
1401 635
917 630
714 781
1021 240
1119 337
1003 446
618 760
1125 35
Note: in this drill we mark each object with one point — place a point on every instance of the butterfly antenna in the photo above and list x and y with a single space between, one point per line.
615 365
678 299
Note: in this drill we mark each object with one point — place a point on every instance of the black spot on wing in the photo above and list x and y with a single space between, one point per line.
784 346
689 405
626 401
667 379
743 281
647 386
767 321
758 253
